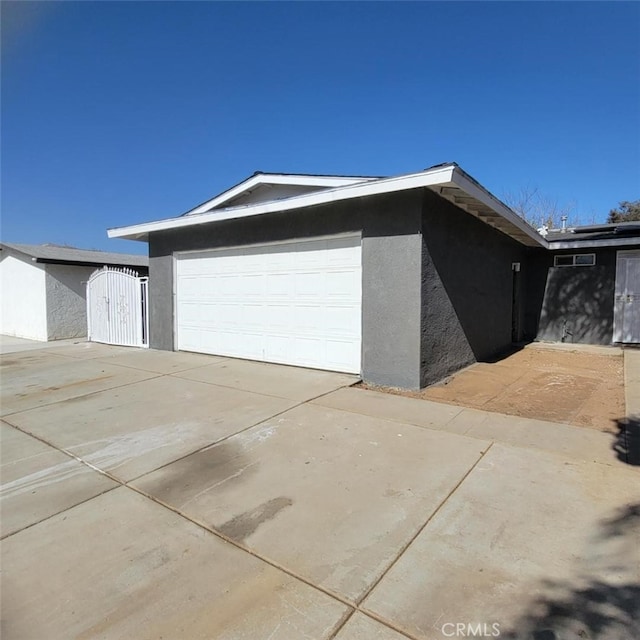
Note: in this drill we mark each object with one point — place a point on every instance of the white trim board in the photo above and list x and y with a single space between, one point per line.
590 244
296 240
446 176
258 179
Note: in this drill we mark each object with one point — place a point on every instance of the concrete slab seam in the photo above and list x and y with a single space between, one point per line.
82 395
66 452
202 525
423 527
231 435
397 421
258 393
466 434
105 359
354 606
57 513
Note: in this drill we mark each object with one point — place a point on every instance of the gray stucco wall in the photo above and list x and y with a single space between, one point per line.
66 301
391 301
574 303
391 272
437 282
467 289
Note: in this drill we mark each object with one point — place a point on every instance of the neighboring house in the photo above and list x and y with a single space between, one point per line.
402 280
43 288
586 288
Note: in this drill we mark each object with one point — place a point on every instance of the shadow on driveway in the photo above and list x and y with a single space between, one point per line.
627 442
594 609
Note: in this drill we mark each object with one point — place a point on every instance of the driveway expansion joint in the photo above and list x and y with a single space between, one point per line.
441 504
353 604
83 395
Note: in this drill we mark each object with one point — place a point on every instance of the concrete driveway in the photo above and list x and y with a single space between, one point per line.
149 494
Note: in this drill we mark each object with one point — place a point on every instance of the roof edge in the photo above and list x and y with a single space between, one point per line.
441 175
260 177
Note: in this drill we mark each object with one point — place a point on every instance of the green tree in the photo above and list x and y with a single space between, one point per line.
626 212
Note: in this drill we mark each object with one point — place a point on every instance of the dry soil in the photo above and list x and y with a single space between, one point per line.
571 386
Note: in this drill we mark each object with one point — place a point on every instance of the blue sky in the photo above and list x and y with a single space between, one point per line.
117 113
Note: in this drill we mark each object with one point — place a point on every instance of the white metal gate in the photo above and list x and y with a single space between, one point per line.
626 321
117 307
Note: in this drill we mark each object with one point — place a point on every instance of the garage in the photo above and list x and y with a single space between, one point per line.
296 302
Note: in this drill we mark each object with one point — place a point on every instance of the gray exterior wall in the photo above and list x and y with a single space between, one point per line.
572 304
391 271
467 290
436 282
66 292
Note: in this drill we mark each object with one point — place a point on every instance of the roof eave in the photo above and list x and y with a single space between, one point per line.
477 201
386 185
482 204
87 263
594 244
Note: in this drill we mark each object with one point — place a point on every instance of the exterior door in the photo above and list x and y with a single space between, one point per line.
627 298
296 302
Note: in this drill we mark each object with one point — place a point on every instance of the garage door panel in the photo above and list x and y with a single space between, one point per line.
343 284
190 287
190 314
342 322
209 288
309 349
277 346
277 285
251 318
308 319
309 284
295 303
340 352
223 286
190 338
252 285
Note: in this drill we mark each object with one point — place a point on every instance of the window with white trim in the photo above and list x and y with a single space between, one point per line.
575 260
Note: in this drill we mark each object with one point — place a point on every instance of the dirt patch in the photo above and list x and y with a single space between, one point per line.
576 387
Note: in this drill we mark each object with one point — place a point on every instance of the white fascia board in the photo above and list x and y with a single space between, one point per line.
591 244
471 188
441 176
294 180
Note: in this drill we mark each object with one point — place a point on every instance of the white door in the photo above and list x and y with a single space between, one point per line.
295 303
627 298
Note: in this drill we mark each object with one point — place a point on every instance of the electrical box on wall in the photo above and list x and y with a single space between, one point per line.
515 266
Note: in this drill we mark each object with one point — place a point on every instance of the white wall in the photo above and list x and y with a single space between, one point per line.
67 301
23 311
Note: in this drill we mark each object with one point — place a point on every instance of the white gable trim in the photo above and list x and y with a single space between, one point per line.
445 176
385 185
260 178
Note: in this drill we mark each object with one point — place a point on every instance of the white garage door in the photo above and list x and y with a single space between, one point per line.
295 303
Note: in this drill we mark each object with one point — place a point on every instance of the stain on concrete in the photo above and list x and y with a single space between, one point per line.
242 526
77 383
195 477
